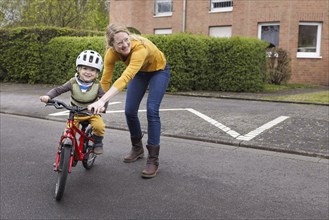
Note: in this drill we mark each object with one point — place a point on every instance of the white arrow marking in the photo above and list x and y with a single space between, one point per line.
229 131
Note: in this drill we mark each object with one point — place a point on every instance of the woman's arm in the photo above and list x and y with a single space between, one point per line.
109 62
96 107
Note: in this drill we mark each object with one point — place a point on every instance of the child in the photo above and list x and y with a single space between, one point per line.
85 89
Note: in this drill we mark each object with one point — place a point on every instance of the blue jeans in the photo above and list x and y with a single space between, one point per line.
157 82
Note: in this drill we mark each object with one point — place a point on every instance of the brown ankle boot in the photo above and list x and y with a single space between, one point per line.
152 164
136 151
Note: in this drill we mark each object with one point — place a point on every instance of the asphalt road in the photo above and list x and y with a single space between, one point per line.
197 180
210 165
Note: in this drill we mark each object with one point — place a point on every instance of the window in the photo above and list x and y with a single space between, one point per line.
162 7
309 39
221 5
225 31
269 32
163 31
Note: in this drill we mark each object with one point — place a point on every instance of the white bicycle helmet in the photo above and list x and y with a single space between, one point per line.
90 58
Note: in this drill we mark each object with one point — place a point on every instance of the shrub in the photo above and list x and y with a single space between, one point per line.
186 56
22 50
197 62
214 64
59 57
278 64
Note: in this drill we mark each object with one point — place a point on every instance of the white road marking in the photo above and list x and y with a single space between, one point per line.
60 113
215 123
229 131
236 135
254 133
66 112
161 110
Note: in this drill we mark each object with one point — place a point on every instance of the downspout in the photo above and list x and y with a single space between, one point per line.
184 16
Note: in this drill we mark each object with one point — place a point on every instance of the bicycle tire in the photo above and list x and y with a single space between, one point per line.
64 163
90 157
86 141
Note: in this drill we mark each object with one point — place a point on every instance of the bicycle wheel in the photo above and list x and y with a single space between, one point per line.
64 163
90 157
86 140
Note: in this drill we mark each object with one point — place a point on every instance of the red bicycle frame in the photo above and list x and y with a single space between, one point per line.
75 145
69 138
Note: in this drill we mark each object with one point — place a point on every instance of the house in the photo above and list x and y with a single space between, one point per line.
298 26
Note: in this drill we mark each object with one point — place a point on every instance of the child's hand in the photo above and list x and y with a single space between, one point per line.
44 98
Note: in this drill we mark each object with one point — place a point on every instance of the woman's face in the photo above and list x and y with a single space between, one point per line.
121 43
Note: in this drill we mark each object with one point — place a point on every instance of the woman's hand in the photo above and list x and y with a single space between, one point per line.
44 98
99 106
96 107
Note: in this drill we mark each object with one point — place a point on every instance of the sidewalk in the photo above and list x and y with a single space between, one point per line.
263 96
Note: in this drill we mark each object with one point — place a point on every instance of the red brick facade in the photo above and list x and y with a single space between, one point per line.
244 19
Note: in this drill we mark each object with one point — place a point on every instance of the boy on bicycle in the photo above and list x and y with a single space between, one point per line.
85 89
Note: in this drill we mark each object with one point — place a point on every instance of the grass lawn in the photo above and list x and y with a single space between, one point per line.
318 97
275 88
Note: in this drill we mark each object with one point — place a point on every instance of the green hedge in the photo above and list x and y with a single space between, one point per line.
22 50
60 55
197 62
214 64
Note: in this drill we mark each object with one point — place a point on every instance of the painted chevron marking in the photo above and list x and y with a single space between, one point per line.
234 134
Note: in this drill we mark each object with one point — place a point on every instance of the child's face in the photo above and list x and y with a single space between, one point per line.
87 74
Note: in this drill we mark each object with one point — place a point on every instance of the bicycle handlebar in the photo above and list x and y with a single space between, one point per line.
60 105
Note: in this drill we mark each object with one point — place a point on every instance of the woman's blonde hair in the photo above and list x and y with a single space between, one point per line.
113 29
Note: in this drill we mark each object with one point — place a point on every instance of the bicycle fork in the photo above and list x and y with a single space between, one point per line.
66 141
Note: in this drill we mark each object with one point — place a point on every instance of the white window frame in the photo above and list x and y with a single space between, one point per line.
315 54
220 9
163 31
220 29
162 14
260 25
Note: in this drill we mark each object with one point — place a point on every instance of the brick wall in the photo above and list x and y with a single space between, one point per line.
244 20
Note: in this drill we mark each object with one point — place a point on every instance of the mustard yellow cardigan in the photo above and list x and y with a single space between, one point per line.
144 56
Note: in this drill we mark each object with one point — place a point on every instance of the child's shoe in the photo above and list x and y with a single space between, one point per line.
98 144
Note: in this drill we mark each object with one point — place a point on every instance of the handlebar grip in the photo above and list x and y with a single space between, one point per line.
82 108
57 104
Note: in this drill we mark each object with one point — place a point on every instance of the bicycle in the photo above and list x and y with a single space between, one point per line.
72 148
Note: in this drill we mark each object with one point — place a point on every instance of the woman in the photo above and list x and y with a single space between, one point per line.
146 67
